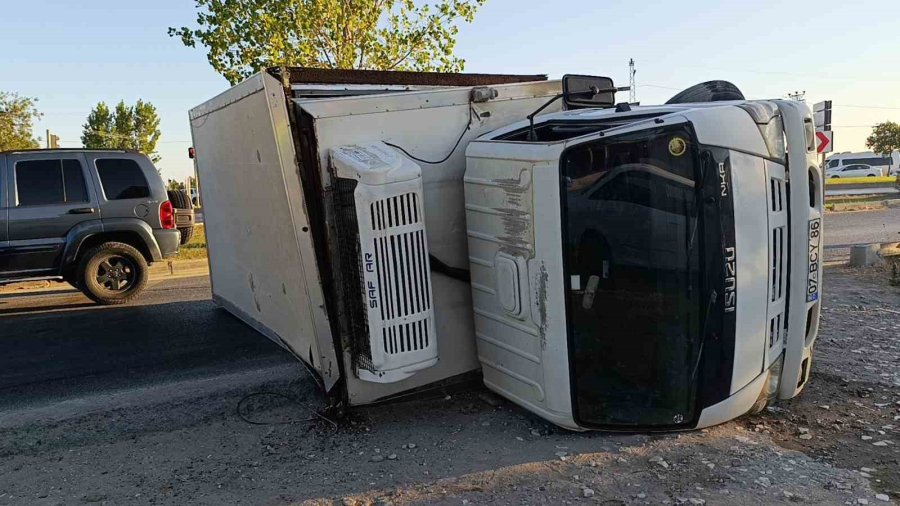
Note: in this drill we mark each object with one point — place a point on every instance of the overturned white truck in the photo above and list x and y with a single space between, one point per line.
605 266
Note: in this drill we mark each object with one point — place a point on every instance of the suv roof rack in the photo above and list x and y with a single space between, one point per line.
51 150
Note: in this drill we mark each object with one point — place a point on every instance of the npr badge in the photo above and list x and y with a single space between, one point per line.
677 146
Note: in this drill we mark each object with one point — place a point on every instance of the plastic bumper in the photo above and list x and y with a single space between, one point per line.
805 295
168 241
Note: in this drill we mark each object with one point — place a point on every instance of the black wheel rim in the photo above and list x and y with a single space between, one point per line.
116 273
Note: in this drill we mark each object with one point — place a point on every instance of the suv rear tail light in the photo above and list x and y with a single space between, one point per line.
167 215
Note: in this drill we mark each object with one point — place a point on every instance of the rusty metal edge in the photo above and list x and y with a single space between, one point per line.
305 75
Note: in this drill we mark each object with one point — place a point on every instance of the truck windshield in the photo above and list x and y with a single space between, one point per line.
631 233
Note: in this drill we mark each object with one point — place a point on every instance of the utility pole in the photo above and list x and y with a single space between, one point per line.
632 92
52 140
799 96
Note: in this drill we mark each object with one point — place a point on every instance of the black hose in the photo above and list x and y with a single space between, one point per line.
452 272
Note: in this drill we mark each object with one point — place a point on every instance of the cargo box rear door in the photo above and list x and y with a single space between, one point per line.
262 264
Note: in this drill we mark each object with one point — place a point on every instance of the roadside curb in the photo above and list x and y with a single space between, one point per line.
172 267
157 271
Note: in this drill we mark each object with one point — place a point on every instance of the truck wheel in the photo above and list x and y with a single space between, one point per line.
186 234
710 91
112 273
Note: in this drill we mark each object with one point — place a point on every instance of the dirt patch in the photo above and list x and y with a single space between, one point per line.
470 447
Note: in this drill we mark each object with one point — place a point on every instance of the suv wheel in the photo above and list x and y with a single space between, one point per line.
112 273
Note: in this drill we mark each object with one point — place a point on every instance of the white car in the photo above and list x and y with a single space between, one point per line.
856 170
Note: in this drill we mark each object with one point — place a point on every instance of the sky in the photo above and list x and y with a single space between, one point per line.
72 54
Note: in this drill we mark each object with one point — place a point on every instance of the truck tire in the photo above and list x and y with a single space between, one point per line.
180 199
112 273
710 91
186 234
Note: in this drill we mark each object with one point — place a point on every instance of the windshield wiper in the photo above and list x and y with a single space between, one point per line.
713 296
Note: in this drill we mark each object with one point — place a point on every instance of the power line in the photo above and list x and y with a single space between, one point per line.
867 107
884 107
659 86
799 74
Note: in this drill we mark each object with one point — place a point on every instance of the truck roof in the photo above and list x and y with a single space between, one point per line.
611 117
307 75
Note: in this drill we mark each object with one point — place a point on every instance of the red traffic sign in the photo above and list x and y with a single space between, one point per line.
824 141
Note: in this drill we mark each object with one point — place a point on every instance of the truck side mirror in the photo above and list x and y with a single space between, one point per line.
588 91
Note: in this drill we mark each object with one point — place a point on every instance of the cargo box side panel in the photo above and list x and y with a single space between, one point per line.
427 124
262 265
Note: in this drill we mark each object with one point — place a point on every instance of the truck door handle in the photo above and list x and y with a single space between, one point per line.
82 210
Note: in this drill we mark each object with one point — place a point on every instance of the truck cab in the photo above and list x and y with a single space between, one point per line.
669 255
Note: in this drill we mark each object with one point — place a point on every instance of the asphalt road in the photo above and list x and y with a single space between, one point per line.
59 344
859 227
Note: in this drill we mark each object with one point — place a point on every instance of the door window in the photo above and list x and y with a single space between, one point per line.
122 179
49 182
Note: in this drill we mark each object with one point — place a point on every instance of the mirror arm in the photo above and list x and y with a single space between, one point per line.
532 135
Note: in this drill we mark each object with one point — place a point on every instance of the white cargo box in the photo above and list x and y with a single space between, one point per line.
335 216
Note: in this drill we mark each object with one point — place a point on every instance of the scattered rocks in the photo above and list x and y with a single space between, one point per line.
490 399
392 456
660 462
882 497
587 492
377 458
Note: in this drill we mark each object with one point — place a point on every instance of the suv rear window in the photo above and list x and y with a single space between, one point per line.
48 182
122 179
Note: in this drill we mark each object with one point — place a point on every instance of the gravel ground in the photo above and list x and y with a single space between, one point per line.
839 443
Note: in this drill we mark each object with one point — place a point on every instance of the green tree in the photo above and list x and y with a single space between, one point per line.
98 131
17 116
174 185
146 129
123 127
885 138
245 36
126 127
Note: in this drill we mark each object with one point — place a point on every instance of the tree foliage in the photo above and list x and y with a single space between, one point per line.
17 116
245 36
885 138
126 127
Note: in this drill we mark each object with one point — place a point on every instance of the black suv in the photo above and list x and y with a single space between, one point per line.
93 218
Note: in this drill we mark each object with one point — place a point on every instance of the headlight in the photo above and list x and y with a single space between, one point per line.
773 134
768 120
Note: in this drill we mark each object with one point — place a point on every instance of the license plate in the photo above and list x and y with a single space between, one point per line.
812 284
